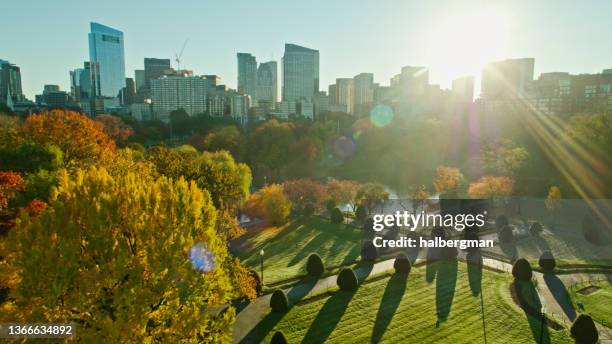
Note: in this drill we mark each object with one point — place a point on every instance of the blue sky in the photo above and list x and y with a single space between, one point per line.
49 38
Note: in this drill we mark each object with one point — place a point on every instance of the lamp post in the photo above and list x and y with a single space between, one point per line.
261 254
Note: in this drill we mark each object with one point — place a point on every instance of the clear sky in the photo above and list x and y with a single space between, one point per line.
453 38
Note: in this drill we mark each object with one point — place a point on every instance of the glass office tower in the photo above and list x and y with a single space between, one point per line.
300 73
107 60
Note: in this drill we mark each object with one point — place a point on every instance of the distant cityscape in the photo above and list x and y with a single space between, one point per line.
154 92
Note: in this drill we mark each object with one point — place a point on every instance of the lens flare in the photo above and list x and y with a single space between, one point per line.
202 259
344 147
381 115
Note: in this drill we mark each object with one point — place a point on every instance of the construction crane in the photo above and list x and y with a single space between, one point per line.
177 57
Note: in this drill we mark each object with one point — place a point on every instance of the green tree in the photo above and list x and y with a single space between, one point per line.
130 260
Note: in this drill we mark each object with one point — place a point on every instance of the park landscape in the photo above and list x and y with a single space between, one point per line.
207 239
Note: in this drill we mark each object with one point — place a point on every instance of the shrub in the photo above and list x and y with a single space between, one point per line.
361 213
438 232
278 338
257 281
369 251
330 205
337 216
279 302
547 261
314 265
402 264
501 221
347 280
505 235
535 228
448 253
522 270
309 209
583 330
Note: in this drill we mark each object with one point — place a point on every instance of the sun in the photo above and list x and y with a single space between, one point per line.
462 43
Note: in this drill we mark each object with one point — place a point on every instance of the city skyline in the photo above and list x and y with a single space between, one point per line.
409 30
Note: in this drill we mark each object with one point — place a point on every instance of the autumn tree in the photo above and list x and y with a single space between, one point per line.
419 196
447 180
270 203
227 138
491 187
128 259
304 192
342 191
553 202
115 128
82 140
371 195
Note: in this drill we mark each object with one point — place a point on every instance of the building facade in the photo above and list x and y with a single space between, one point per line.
106 55
173 92
300 73
247 74
267 85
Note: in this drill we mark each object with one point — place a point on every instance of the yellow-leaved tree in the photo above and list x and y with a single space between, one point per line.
127 259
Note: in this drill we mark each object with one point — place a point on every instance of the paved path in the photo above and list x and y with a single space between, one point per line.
554 297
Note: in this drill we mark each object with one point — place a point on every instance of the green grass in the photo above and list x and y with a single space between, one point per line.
597 304
439 303
287 248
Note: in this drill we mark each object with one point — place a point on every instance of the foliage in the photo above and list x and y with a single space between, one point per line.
553 201
227 138
402 264
115 128
447 179
342 191
268 148
227 225
522 270
583 330
504 157
304 192
127 277
547 261
336 216
491 187
227 181
371 195
10 184
269 203
279 302
82 140
347 280
243 279
330 205
28 156
314 265
418 195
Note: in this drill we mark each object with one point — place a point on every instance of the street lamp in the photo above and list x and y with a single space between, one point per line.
261 254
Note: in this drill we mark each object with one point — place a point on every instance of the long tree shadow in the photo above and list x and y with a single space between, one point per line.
445 287
431 265
363 270
529 301
309 248
559 292
394 292
474 268
509 249
328 317
267 324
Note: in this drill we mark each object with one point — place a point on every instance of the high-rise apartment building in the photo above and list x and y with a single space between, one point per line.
267 85
342 95
300 73
153 69
363 92
247 74
178 91
507 79
107 59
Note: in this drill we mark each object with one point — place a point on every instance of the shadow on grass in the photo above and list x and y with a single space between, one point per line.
394 292
267 324
509 249
431 266
445 287
309 248
474 269
529 300
328 317
363 270
559 292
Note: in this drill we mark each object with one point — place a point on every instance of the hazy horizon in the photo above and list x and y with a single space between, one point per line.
449 38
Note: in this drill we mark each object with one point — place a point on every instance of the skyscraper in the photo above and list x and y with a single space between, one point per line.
507 79
300 72
346 93
364 92
267 84
107 59
153 69
10 83
247 74
139 78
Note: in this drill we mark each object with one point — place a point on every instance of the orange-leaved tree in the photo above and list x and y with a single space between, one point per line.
81 139
447 179
491 187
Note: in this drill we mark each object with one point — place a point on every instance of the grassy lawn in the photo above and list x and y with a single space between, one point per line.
438 303
287 248
566 240
598 303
